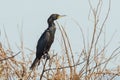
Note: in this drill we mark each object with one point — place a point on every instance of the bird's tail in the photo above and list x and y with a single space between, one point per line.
34 63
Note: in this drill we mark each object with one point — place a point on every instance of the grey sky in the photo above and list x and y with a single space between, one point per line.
33 14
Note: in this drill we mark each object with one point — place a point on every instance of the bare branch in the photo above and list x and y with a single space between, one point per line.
64 67
43 70
10 57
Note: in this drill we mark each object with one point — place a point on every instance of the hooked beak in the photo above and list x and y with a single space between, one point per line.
61 16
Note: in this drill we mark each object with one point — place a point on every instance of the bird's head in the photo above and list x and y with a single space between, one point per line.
55 17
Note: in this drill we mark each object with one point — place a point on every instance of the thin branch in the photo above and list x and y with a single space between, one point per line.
69 45
103 22
65 45
64 67
10 57
7 38
43 69
106 61
83 36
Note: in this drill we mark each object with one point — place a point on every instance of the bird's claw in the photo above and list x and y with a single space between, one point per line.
44 56
47 56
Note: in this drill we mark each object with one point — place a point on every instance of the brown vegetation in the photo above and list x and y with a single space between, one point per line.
91 63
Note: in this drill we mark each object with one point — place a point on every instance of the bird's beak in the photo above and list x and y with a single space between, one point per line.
61 16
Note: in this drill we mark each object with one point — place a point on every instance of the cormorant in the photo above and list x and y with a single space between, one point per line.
46 39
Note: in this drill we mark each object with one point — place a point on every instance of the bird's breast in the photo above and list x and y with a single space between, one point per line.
52 30
52 33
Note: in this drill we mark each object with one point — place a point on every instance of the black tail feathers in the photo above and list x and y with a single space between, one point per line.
34 63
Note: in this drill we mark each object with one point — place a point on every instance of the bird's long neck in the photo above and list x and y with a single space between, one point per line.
51 27
51 23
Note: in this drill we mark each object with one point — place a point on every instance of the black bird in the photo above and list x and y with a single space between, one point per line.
46 40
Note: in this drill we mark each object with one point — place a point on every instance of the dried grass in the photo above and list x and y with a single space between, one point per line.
90 65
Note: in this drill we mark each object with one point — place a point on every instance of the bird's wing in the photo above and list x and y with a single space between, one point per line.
42 43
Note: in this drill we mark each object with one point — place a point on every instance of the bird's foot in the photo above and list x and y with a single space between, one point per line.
46 56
